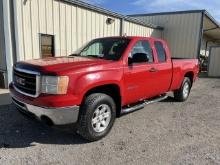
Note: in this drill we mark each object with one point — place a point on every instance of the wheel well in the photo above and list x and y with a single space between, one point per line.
112 90
190 75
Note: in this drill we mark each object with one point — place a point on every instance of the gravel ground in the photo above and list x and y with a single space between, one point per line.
167 132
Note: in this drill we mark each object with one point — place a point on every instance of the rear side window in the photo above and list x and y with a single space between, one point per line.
160 51
143 47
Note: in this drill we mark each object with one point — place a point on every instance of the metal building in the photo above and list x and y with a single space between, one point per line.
41 28
189 33
214 62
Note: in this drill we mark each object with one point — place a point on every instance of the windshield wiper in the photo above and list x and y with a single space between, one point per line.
73 55
78 55
95 56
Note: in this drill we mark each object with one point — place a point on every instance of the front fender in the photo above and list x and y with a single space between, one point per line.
88 81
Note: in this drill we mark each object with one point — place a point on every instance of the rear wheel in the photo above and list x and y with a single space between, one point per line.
182 94
97 116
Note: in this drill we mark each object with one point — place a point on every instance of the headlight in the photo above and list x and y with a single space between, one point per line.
54 84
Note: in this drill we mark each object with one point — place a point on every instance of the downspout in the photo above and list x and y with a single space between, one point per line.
8 39
200 35
122 27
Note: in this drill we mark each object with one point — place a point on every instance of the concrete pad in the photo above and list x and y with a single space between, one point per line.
5 98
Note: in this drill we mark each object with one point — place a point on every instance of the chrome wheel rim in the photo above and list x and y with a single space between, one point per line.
101 118
186 90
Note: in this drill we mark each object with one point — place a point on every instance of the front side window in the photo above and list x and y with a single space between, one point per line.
143 47
105 48
160 51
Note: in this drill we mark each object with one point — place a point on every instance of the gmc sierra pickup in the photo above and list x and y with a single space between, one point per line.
104 79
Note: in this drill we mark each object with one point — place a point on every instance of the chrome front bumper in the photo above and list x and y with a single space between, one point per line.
58 116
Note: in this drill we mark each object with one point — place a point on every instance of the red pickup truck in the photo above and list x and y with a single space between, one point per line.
104 79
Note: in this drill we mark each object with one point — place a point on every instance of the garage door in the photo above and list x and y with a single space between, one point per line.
214 62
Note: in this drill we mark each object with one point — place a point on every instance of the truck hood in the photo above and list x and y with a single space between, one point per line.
62 64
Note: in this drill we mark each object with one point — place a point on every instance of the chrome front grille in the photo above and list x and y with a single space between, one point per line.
26 82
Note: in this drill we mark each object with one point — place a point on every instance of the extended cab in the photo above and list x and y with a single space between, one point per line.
105 78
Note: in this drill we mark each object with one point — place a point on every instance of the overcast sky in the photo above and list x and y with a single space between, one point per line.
151 6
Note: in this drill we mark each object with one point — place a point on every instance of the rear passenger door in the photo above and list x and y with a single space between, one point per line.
163 68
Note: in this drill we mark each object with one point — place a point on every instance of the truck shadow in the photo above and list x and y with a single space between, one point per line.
18 131
169 99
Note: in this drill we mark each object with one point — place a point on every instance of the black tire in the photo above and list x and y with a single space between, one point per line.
90 105
179 94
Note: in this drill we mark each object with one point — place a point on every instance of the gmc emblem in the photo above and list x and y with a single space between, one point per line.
19 80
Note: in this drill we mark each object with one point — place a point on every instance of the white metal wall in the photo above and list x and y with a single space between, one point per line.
2 48
214 62
182 31
2 53
72 26
132 29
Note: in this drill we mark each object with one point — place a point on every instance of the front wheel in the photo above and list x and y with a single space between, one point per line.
97 116
182 94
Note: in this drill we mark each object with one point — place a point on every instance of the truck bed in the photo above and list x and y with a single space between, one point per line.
181 66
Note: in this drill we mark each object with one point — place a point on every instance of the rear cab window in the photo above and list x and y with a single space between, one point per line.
161 53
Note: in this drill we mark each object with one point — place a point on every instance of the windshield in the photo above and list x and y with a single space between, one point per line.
105 48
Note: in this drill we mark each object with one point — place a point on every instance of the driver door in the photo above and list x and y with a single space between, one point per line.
139 77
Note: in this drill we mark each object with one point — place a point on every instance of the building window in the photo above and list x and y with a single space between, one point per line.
160 51
47 45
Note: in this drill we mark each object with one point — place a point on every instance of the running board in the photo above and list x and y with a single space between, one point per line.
143 104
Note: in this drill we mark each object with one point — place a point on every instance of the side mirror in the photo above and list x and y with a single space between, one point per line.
130 61
138 58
